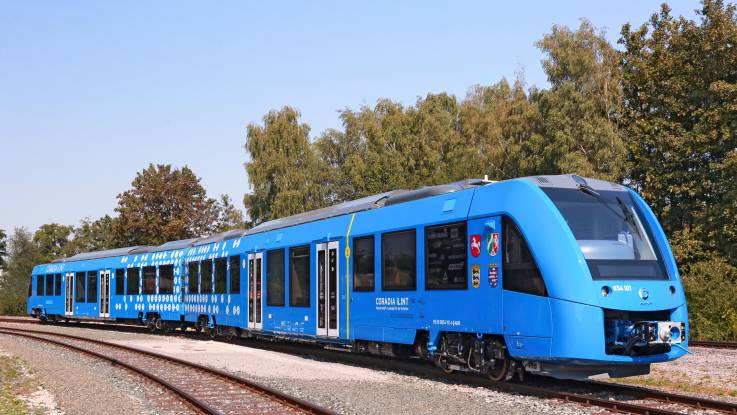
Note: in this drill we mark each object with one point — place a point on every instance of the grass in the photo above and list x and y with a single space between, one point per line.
13 382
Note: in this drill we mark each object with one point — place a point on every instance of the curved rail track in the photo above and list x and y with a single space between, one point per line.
613 397
205 389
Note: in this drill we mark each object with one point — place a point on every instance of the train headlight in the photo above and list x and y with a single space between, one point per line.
605 291
672 290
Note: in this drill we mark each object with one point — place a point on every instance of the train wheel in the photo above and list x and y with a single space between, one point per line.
151 324
229 334
499 372
159 325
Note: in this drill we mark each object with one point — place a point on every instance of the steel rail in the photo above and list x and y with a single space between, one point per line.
713 344
270 393
202 406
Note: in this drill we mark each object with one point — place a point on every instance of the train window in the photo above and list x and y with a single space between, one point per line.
193 280
398 261
119 281
92 287
133 281
445 257
40 285
79 278
50 284
299 276
520 272
221 275
166 279
363 264
275 277
57 284
149 280
235 274
206 280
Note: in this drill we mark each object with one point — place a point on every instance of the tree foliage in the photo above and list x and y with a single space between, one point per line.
283 170
23 254
681 115
582 108
53 241
164 204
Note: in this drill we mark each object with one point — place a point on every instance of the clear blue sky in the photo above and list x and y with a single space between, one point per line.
91 92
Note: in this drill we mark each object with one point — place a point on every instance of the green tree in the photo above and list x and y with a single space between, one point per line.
23 254
165 204
93 235
680 88
283 171
581 111
500 125
229 217
53 241
392 147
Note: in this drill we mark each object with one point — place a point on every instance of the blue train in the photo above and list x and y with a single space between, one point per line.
557 275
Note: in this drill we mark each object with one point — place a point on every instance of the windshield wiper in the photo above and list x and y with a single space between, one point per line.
591 192
628 216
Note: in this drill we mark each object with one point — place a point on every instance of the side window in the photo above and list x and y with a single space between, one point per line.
133 280
206 280
57 284
235 274
40 285
275 277
92 287
49 284
193 280
363 264
299 276
221 275
119 281
519 272
398 261
166 279
149 280
80 279
445 257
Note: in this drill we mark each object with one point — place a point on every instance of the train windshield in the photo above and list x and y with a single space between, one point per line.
614 238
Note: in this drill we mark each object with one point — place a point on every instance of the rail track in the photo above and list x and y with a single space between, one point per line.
204 389
713 344
609 396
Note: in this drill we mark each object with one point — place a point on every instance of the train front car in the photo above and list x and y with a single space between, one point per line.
590 283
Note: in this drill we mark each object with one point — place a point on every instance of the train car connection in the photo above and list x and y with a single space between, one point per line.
557 275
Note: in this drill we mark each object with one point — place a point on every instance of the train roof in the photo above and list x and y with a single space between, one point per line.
393 197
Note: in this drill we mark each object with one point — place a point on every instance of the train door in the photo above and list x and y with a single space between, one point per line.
69 294
105 293
327 289
526 306
255 290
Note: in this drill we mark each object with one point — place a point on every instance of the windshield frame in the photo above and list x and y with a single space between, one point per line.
614 269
